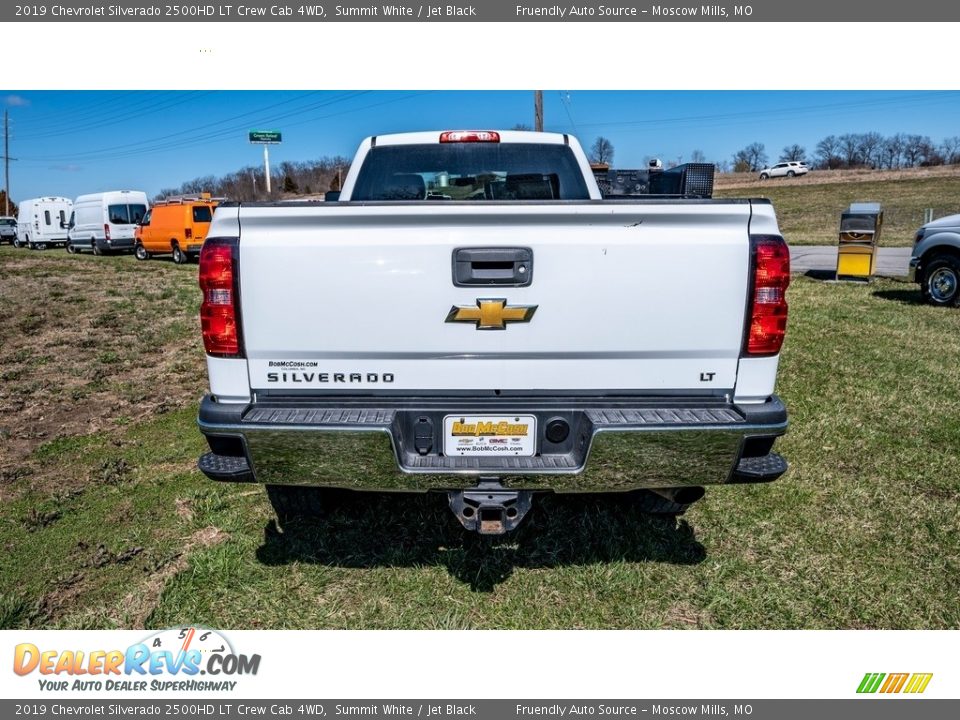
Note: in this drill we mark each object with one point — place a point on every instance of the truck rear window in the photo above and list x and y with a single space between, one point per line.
470 171
201 213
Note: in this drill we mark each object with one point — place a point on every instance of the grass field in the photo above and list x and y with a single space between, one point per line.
105 522
809 207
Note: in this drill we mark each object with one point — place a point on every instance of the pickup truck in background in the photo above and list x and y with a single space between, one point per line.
472 317
935 261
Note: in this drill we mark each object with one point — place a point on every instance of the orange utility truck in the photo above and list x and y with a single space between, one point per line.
176 226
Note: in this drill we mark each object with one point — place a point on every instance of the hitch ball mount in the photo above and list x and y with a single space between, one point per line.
489 508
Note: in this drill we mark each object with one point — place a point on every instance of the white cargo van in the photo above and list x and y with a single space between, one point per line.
42 222
104 222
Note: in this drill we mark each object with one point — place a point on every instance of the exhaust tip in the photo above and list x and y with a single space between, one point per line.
688 495
681 495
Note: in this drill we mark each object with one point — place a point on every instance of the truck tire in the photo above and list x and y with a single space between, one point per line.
179 256
140 252
16 241
941 281
96 248
291 502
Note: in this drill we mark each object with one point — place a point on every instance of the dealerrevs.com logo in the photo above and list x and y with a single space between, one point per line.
892 683
173 659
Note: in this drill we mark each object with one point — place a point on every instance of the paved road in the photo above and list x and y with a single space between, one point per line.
890 261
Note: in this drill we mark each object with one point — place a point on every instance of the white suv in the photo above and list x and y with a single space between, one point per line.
785 169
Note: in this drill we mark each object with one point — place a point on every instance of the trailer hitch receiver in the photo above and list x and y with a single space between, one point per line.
490 509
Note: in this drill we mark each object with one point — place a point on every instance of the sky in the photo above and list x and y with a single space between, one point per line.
73 142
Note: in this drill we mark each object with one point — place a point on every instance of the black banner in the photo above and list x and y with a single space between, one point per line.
489 11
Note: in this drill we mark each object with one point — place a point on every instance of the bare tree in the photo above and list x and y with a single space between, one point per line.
207 183
950 150
697 156
871 149
828 152
849 147
751 158
601 151
793 153
893 151
523 127
915 149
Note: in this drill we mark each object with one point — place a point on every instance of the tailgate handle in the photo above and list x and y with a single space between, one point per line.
512 267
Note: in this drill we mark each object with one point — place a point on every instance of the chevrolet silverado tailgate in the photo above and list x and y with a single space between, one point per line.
359 297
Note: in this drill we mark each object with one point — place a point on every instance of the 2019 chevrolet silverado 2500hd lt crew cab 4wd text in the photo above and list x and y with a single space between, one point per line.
472 317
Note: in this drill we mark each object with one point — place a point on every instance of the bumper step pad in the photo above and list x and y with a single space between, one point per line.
759 469
226 468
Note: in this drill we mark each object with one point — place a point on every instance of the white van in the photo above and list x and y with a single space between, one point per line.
42 222
103 222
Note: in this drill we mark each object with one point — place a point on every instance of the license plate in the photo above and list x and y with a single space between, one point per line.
489 435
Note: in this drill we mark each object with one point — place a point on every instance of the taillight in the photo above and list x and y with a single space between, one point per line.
220 310
106 232
770 258
187 233
469 136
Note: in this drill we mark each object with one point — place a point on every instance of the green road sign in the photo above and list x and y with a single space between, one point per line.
265 137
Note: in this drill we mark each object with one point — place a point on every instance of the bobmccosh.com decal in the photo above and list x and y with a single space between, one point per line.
179 659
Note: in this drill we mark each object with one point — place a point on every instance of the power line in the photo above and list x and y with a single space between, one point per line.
188 130
121 118
163 142
565 99
226 135
764 114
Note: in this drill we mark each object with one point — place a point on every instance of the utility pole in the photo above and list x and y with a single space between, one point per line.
6 162
538 110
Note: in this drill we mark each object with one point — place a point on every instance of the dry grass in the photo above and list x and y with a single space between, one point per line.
862 532
87 345
808 208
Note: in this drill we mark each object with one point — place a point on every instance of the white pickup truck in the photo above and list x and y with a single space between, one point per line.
471 316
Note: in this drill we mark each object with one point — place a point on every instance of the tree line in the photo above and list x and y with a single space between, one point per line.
858 150
850 150
305 177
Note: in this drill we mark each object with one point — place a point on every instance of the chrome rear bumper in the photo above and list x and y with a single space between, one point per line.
611 446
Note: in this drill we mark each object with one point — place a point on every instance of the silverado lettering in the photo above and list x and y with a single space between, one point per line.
644 370
305 377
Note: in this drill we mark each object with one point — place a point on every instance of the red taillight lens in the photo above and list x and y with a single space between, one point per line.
768 295
106 232
469 136
187 233
220 310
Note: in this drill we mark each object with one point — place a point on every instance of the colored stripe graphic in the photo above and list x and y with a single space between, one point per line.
870 682
894 683
918 683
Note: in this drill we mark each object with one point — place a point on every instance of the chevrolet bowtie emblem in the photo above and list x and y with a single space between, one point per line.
491 314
